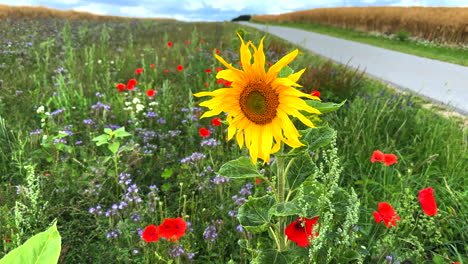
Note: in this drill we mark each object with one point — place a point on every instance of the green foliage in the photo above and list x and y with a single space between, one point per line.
240 168
60 172
402 35
42 248
255 215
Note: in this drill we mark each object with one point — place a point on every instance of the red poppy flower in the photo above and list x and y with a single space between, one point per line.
172 229
300 231
201 41
150 234
213 48
227 83
180 68
390 159
169 44
220 81
150 93
315 93
197 48
219 69
386 214
204 132
208 70
217 51
377 156
206 84
216 121
152 65
7 239
166 70
269 64
131 84
257 181
139 70
187 42
427 200
121 87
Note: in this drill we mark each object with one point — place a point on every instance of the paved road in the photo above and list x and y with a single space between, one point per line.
442 82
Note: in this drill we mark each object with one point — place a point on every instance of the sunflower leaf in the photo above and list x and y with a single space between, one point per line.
41 248
325 107
316 138
283 257
254 215
299 168
285 72
285 209
240 168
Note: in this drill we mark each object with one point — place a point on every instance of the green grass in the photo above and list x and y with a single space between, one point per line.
428 50
74 176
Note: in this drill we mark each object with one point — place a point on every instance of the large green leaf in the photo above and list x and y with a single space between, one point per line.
299 169
119 133
285 72
325 107
283 257
114 147
312 190
285 209
254 215
240 168
43 248
316 138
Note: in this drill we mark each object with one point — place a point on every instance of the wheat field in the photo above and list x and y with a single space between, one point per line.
447 25
34 12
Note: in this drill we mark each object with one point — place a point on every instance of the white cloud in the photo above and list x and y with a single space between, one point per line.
369 1
99 9
136 11
18 2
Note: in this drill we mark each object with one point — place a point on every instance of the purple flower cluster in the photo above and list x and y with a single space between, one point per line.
178 251
210 233
59 140
192 159
113 127
152 198
240 199
58 111
210 143
35 132
100 105
113 234
218 179
151 114
88 121
135 217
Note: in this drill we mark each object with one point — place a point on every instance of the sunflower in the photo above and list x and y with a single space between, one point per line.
258 103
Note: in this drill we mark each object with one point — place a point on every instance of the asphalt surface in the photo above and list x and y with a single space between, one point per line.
444 83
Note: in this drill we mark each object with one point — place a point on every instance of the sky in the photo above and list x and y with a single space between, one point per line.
214 10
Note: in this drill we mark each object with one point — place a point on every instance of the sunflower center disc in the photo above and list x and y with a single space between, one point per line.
259 102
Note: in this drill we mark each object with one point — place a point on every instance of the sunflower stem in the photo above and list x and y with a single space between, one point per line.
280 192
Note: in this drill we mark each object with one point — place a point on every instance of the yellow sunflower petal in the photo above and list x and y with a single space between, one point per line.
295 76
240 138
227 65
276 68
259 58
245 55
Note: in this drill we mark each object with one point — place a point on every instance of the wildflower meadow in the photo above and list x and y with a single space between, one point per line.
140 141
